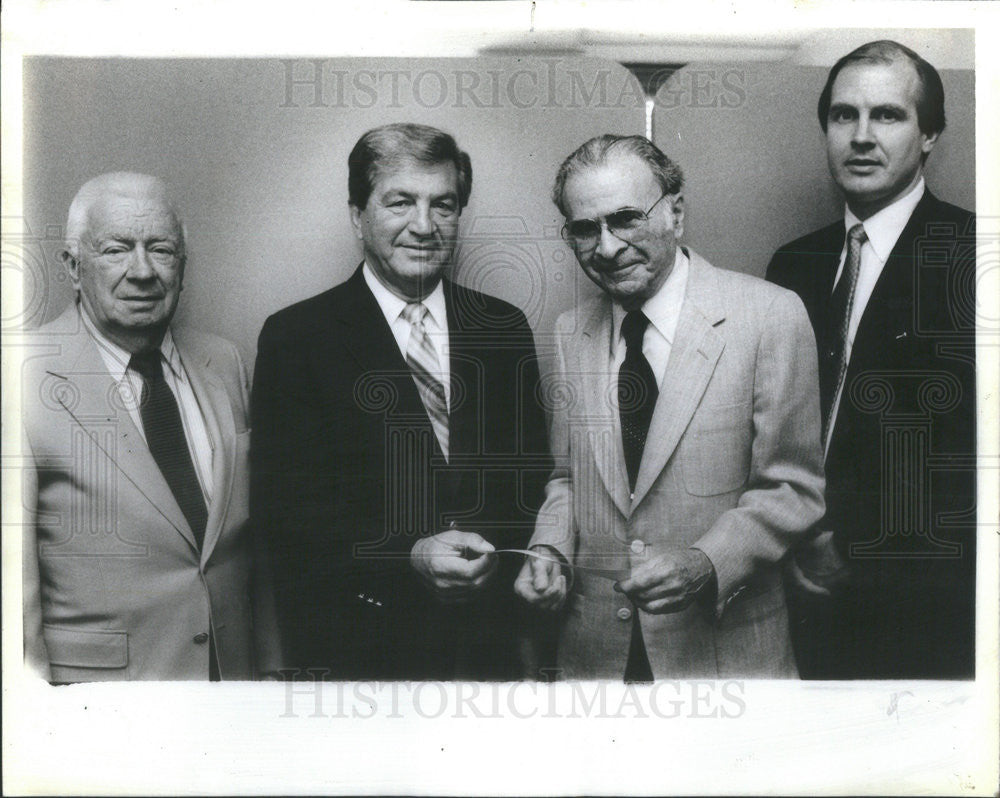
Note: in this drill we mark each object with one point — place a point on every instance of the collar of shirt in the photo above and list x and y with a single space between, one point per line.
884 228
663 309
392 305
117 359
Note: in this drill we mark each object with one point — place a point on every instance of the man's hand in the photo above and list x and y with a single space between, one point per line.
816 568
454 564
668 582
541 581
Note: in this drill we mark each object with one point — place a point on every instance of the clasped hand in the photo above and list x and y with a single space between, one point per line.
667 582
454 564
541 581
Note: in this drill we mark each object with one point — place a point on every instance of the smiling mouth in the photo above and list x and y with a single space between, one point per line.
613 268
862 164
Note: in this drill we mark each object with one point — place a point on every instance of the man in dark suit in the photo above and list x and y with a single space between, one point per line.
399 440
886 589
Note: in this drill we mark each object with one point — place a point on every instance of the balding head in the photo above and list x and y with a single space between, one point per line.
125 256
115 184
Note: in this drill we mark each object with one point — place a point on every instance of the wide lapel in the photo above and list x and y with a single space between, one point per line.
93 403
693 356
602 430
216 410
888 316
363 333
468 354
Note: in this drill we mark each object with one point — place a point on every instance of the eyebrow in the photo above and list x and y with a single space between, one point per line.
410 195
898 109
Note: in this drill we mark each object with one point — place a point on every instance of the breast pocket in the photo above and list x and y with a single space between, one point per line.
716 450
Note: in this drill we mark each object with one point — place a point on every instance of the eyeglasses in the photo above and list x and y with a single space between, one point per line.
628 224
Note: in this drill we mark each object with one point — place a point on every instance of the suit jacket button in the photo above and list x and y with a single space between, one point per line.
624 614
637 546
201 637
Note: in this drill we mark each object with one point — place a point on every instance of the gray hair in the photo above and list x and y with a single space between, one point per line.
114 183
600 148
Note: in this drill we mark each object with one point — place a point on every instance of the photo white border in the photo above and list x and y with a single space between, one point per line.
806 738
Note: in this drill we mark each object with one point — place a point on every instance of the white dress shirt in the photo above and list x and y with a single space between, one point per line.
883 230
435 323
130 385
663 310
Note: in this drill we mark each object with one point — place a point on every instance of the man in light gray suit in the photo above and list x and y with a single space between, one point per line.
686 429
139 562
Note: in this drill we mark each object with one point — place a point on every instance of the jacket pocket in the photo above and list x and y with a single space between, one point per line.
716 457
76 648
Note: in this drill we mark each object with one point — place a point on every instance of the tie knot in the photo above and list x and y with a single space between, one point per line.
147 364
633 328
857 233
415 312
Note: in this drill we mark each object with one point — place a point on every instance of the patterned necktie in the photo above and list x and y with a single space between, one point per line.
161 421
834 362
637 393
423 362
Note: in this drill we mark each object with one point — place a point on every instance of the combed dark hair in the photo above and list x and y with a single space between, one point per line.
393 144
930 100
597 151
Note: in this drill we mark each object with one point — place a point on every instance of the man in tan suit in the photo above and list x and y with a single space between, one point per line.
687 435
138 559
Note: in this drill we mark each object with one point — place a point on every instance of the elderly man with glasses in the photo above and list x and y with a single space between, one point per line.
687 433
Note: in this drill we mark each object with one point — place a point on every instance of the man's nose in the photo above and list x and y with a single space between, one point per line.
421 222
609 245
861 136
140 265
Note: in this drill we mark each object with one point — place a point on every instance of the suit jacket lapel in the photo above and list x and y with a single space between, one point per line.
603 432
693 356
365 335
93 403
891 305
216 410
466 358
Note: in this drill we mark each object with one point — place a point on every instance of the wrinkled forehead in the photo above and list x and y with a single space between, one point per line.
405 169
139 213
619 181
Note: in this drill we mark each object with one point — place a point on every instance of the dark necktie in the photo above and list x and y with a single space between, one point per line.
637 393
833 364
165 437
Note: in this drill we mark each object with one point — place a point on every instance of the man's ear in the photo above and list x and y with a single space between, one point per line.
677 209
72 264
928 143
356 221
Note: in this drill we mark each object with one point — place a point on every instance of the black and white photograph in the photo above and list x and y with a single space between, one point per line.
472 397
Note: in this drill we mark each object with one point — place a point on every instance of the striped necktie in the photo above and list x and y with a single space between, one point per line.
423 362
833 366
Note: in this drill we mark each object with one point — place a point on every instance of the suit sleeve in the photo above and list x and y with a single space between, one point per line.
554 526
531 428
36 655
267 640
784 495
